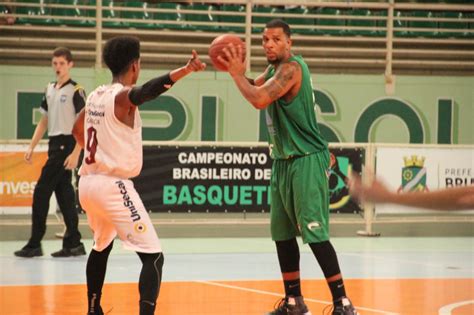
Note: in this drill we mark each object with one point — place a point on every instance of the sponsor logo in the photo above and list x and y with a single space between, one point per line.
413 174
127 202
458 176
17 188
339 168
140 227
95 113
132 240
314 225
63 98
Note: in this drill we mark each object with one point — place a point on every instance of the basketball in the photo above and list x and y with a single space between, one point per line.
217 46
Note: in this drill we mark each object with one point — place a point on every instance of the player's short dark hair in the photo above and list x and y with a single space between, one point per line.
277 23
119 52
63 52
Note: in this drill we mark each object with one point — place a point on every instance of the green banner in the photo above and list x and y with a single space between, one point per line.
207 106
28 114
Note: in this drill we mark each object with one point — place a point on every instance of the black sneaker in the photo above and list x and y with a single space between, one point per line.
29 252
99 311
96 312
68 252
344 307
291 306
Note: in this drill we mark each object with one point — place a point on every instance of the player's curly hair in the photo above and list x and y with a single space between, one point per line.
119 52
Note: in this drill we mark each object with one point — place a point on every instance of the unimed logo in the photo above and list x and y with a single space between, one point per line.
17 188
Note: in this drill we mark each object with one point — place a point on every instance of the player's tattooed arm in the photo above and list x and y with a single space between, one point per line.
286 77
282 81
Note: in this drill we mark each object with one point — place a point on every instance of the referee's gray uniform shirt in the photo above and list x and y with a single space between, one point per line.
62 106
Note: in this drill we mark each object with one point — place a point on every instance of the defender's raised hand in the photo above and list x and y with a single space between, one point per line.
194 63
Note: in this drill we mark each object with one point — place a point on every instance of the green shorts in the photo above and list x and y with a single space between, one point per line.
300 198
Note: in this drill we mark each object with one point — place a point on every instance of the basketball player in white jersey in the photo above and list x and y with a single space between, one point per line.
109 129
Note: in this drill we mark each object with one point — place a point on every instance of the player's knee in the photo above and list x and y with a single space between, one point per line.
161 260
158 261
108 249
102 254
41 197
155 259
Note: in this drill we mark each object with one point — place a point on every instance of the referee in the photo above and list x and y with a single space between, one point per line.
62 101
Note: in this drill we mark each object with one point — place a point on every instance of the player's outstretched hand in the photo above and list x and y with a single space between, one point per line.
194 63
375 191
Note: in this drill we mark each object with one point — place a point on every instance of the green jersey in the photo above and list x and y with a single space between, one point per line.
292 127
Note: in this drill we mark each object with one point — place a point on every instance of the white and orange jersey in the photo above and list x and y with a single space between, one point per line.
110 147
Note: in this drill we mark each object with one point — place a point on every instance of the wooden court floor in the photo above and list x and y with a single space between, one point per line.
379 296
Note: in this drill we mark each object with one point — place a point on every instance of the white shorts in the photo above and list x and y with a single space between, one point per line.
113 207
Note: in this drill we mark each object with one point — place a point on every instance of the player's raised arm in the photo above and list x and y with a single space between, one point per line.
194 64
157 86
130 97
286 76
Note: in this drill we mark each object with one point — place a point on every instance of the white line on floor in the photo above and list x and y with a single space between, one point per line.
279 295
446 310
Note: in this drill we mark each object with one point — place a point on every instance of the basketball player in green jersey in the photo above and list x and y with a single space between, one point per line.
299 184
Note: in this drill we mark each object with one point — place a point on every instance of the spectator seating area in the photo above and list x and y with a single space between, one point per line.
337 35
231 18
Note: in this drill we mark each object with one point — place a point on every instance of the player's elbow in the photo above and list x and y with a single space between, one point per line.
75 131
79 139
261 99
78 134
260 104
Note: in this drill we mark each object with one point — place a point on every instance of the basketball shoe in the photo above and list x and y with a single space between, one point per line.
291 306
344 307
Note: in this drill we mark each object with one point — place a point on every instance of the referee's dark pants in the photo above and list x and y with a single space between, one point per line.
55 178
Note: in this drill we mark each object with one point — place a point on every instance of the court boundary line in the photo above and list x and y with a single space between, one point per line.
228 286
446 310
